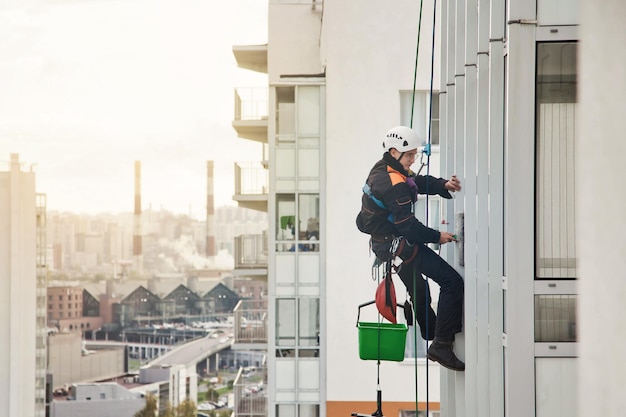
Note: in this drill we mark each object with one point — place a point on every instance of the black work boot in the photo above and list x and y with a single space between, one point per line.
441 351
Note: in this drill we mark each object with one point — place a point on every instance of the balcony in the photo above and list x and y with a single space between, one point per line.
251 57
251 180
250 325
251 113
250 392
251 255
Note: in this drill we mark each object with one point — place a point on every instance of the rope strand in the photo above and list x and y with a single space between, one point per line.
430 123
427 292
417 49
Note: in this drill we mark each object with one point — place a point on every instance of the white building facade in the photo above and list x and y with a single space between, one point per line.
324 132
23 292
508 116
506 82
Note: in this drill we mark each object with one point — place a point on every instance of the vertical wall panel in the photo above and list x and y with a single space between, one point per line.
556 385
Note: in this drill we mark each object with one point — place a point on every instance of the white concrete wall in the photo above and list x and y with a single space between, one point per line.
67 364
101 408
600 211
369 50
17 291
294 39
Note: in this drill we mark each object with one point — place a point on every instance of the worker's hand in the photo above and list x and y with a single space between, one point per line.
445 237
453 184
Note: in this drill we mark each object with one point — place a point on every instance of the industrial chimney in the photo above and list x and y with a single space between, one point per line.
137 251
210 212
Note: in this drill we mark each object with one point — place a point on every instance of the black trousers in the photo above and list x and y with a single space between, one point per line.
448 320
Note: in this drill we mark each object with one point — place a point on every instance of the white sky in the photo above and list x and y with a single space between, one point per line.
89 86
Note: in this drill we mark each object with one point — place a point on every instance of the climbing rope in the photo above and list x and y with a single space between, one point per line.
426 151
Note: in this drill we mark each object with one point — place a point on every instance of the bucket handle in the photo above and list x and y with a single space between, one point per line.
407 311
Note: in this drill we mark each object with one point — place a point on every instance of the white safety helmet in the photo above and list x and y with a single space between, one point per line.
401 138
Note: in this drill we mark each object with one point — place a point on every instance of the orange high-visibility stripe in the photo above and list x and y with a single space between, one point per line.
395 176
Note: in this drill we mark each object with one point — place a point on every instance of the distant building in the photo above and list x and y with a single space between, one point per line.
67 311
101 399
22 293
70 361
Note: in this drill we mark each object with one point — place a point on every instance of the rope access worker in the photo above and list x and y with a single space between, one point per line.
387 216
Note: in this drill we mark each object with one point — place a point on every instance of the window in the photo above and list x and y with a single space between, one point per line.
409 351
555 318
285 410
307 319
286 322
309 221
555 192
297 152
420 413
421 111
285 113
432 217
303 228
308 410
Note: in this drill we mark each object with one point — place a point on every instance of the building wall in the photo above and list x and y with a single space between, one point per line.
68 364
297 53
601 148
493 136
17 291
368 48
125 407
65 302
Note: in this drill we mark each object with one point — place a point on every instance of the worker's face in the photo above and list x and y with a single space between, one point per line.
407 159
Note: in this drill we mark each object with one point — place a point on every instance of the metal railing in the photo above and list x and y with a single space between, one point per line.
251 178
250 251
250 322
250 392
251 103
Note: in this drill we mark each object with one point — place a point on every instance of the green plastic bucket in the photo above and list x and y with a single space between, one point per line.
392 339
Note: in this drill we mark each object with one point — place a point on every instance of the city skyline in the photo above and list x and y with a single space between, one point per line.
89 88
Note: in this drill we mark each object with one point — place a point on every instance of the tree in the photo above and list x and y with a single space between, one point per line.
150 409
169 411
212 394
186 409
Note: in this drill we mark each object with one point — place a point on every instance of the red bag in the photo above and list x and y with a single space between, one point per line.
386 299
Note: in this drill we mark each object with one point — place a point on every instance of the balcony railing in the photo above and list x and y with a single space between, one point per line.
251 103
251 251
250 322
250 392
250 178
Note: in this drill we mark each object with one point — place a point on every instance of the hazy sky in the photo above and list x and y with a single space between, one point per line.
89 86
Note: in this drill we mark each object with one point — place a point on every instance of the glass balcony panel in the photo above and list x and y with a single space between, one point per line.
250 322
251 251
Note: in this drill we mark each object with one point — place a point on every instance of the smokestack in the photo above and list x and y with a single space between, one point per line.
210 211
137 251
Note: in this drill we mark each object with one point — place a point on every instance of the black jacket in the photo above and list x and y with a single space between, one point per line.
387 182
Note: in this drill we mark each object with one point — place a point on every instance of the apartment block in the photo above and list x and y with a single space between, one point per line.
494 89
22 281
